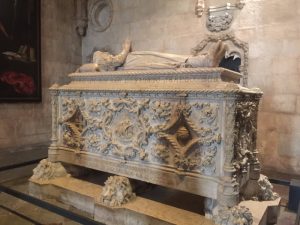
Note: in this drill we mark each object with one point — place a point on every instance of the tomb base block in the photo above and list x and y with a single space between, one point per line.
85 196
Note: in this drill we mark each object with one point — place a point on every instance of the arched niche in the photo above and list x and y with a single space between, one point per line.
236 48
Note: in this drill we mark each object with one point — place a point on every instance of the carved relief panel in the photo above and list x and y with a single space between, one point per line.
184 135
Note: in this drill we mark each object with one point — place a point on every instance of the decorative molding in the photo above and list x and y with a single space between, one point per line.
117 191
95 8
235 47
211 74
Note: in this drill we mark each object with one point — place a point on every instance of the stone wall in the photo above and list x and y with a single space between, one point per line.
25 129
271 27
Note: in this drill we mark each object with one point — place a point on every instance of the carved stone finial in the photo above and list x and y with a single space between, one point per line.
47 170
117 191
237 215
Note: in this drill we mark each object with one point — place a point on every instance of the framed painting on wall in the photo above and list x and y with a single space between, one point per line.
20 64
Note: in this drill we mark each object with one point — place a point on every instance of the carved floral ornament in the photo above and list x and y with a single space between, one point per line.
183 135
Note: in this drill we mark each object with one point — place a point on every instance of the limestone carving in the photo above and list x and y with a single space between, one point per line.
235 48
266 189
72 131
237 215
156 60
199 9
187 139
100 14
47 170
116 191
123 127
217 23
220 17
161 152
245 133
93 131
191 129
103 61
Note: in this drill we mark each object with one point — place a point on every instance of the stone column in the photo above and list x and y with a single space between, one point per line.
54 135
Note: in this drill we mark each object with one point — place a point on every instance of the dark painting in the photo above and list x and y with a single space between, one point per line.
20 50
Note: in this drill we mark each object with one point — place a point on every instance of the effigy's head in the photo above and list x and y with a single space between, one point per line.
101 58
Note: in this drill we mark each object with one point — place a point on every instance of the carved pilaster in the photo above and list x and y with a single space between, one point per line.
54 109
228 193
254 162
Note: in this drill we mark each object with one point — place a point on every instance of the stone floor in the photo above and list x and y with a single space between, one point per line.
14 211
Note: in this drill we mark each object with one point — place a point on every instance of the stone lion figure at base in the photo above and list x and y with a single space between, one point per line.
47 170
116 191
139 60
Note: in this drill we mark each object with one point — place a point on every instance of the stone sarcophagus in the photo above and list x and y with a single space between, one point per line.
192 129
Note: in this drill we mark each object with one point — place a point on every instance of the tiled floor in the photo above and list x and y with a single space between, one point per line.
14 211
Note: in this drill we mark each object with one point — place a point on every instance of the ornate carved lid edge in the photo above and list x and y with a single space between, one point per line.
144 74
